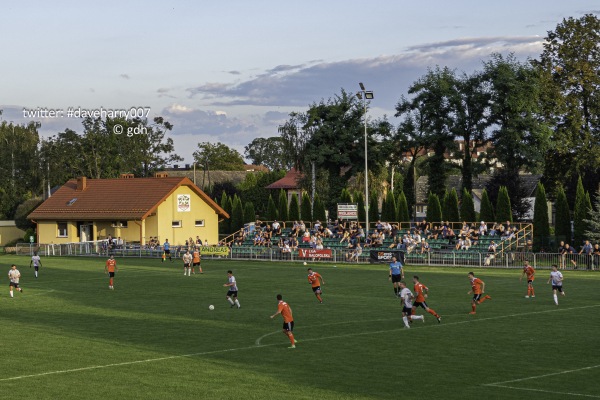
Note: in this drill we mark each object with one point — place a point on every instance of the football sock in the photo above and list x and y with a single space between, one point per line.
432 312
319 298
473 306
184 271
189 272
555 299
405 319
36 274
11 294
532 291
230 301
237 303
291 337
418 317
396 291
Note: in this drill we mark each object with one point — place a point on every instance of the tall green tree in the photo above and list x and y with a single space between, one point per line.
306 208
434 209
237 214
254 188
467 207
541 226
450 207
249 213
225 203
268 152
271 210
319 209
486 212
579 214
294 209
373 207
593 222
218 156
503 208
360 203
569 66
562 227
388 211
283 210
345 197
402 209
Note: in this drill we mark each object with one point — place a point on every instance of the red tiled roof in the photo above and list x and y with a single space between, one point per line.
114 199
289 181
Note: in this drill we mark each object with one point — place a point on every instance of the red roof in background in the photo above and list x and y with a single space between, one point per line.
115 199
289 181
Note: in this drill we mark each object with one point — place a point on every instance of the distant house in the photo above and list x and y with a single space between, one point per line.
9 232
134 209
290 183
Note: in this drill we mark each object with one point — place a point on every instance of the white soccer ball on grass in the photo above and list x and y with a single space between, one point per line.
211 307
305 263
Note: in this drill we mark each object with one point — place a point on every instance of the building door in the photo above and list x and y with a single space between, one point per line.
85 233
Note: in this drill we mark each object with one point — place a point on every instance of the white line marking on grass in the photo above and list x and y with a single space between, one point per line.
40 293
544 391
174 357
543 376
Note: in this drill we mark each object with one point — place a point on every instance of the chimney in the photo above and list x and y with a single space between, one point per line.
81 183
161 175
127 176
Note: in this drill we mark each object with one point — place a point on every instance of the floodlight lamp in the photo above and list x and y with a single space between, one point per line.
359 95
369 95
362 87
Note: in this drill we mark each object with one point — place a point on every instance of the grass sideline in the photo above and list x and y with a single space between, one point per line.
69 337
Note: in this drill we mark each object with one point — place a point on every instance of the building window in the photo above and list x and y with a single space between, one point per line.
119 224
176 224
61 229
199 222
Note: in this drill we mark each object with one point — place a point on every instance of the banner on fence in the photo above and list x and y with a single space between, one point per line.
347 211
386 256
314 253
214 250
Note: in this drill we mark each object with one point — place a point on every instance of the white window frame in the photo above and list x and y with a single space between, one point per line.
176 224
58 230
199 222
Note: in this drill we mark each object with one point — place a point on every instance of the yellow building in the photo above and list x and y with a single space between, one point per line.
9 232
134 209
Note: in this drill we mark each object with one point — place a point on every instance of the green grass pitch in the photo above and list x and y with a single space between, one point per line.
69 337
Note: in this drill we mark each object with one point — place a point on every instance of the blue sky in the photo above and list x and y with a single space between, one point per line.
232 71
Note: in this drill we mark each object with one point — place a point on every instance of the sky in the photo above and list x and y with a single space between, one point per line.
232 71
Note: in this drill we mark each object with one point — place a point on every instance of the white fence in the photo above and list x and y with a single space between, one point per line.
449 259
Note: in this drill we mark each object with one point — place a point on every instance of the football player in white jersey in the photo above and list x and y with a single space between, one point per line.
556 277
36 262
13 276
407 297
232 293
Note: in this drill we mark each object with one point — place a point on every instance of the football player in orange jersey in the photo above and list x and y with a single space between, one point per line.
285 310
196 260
477 289
110 268
530 272
316 280
421 294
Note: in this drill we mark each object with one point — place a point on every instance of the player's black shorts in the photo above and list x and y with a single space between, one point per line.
232 293
167 252
407 310
14 284
316 288
186 265
476 297
396 278
420 304
196 264
529 281
557 287
111 274
288 326
36 267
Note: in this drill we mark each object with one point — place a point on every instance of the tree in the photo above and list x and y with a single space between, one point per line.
283 210
23 210
402 209
562 226
503 209
268 152
249 213
486 212
541 227
388 211
434 209
225 203
345 197
218 156
373 207
237 214
294 209
580 213
467 207
409 189
360 203
271 210
450 209
593 222
569 66
319 210
306 208
254 188
294 134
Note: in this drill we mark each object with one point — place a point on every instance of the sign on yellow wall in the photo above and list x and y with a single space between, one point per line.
184 202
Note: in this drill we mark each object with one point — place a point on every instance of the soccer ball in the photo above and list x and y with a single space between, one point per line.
211 307
305 263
